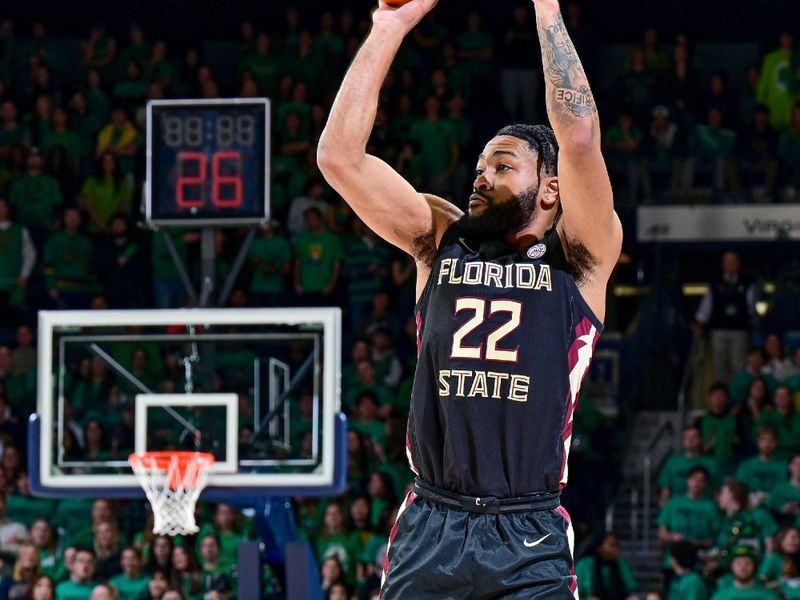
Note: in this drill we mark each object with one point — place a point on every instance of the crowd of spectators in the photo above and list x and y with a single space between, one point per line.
730 516
71 173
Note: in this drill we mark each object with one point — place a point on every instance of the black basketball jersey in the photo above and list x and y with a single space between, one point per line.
504 340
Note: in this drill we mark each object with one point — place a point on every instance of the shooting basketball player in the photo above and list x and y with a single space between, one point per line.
511 298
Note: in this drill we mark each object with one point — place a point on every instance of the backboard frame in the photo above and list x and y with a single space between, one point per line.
332 476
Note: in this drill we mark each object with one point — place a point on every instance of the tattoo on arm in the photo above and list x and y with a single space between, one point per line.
568 93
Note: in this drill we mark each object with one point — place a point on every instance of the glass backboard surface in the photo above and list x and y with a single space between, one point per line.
111 382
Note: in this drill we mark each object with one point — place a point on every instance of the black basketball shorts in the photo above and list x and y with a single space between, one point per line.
451 547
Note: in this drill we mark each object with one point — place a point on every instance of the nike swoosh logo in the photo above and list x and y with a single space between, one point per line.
536 543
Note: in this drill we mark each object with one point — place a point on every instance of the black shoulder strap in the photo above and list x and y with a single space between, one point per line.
555 255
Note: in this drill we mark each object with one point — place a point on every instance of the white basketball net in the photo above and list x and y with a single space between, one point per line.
173 482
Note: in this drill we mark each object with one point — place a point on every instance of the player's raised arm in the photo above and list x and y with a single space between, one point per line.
379 195
589 222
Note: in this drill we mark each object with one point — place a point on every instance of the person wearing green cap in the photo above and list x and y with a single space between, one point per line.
744 585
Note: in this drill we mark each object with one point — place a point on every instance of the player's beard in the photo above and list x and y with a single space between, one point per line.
501 219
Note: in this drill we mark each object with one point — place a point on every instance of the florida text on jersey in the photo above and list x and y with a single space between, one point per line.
504 340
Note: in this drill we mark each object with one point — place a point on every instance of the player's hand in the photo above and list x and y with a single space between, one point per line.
405 17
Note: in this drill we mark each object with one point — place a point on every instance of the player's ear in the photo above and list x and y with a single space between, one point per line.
550 194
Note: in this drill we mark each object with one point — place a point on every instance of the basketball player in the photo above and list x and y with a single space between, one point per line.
511 298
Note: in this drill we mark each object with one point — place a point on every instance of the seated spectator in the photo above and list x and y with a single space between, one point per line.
105 193
382 497
763 472
719 429
778 364
744 584
367 420
103 591
365 269
45 539
626 162
61 134
785 420
231 527
121 139
160 558
758 155
382 315
672 478
787 548
107 550
157 585
12 132
12 534
43 588
360 526
605 575
338 591
741 526
366 381
24 355
661 146
360 457
271 261
24 508
793 380
789 150
121 265
26 571
216 576
68 265
130 90
101 512
713 144
687 584
750 413
740 382
359 350
330 572
333 540
388 368
318 261
784 499
690 517
81 581
773 90
35 196
186 575
17 260
19 390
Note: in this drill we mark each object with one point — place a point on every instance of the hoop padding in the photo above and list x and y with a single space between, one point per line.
173 482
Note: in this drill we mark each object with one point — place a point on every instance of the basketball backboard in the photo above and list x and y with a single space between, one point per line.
258 388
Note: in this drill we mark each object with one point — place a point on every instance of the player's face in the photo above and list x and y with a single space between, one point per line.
505 194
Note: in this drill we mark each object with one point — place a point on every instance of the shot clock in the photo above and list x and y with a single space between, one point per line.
207 161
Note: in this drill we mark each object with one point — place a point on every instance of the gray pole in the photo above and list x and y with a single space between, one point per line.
207 266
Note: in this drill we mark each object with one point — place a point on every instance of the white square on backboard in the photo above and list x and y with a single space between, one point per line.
229 401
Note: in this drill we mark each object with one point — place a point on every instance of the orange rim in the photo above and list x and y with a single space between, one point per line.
162 461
